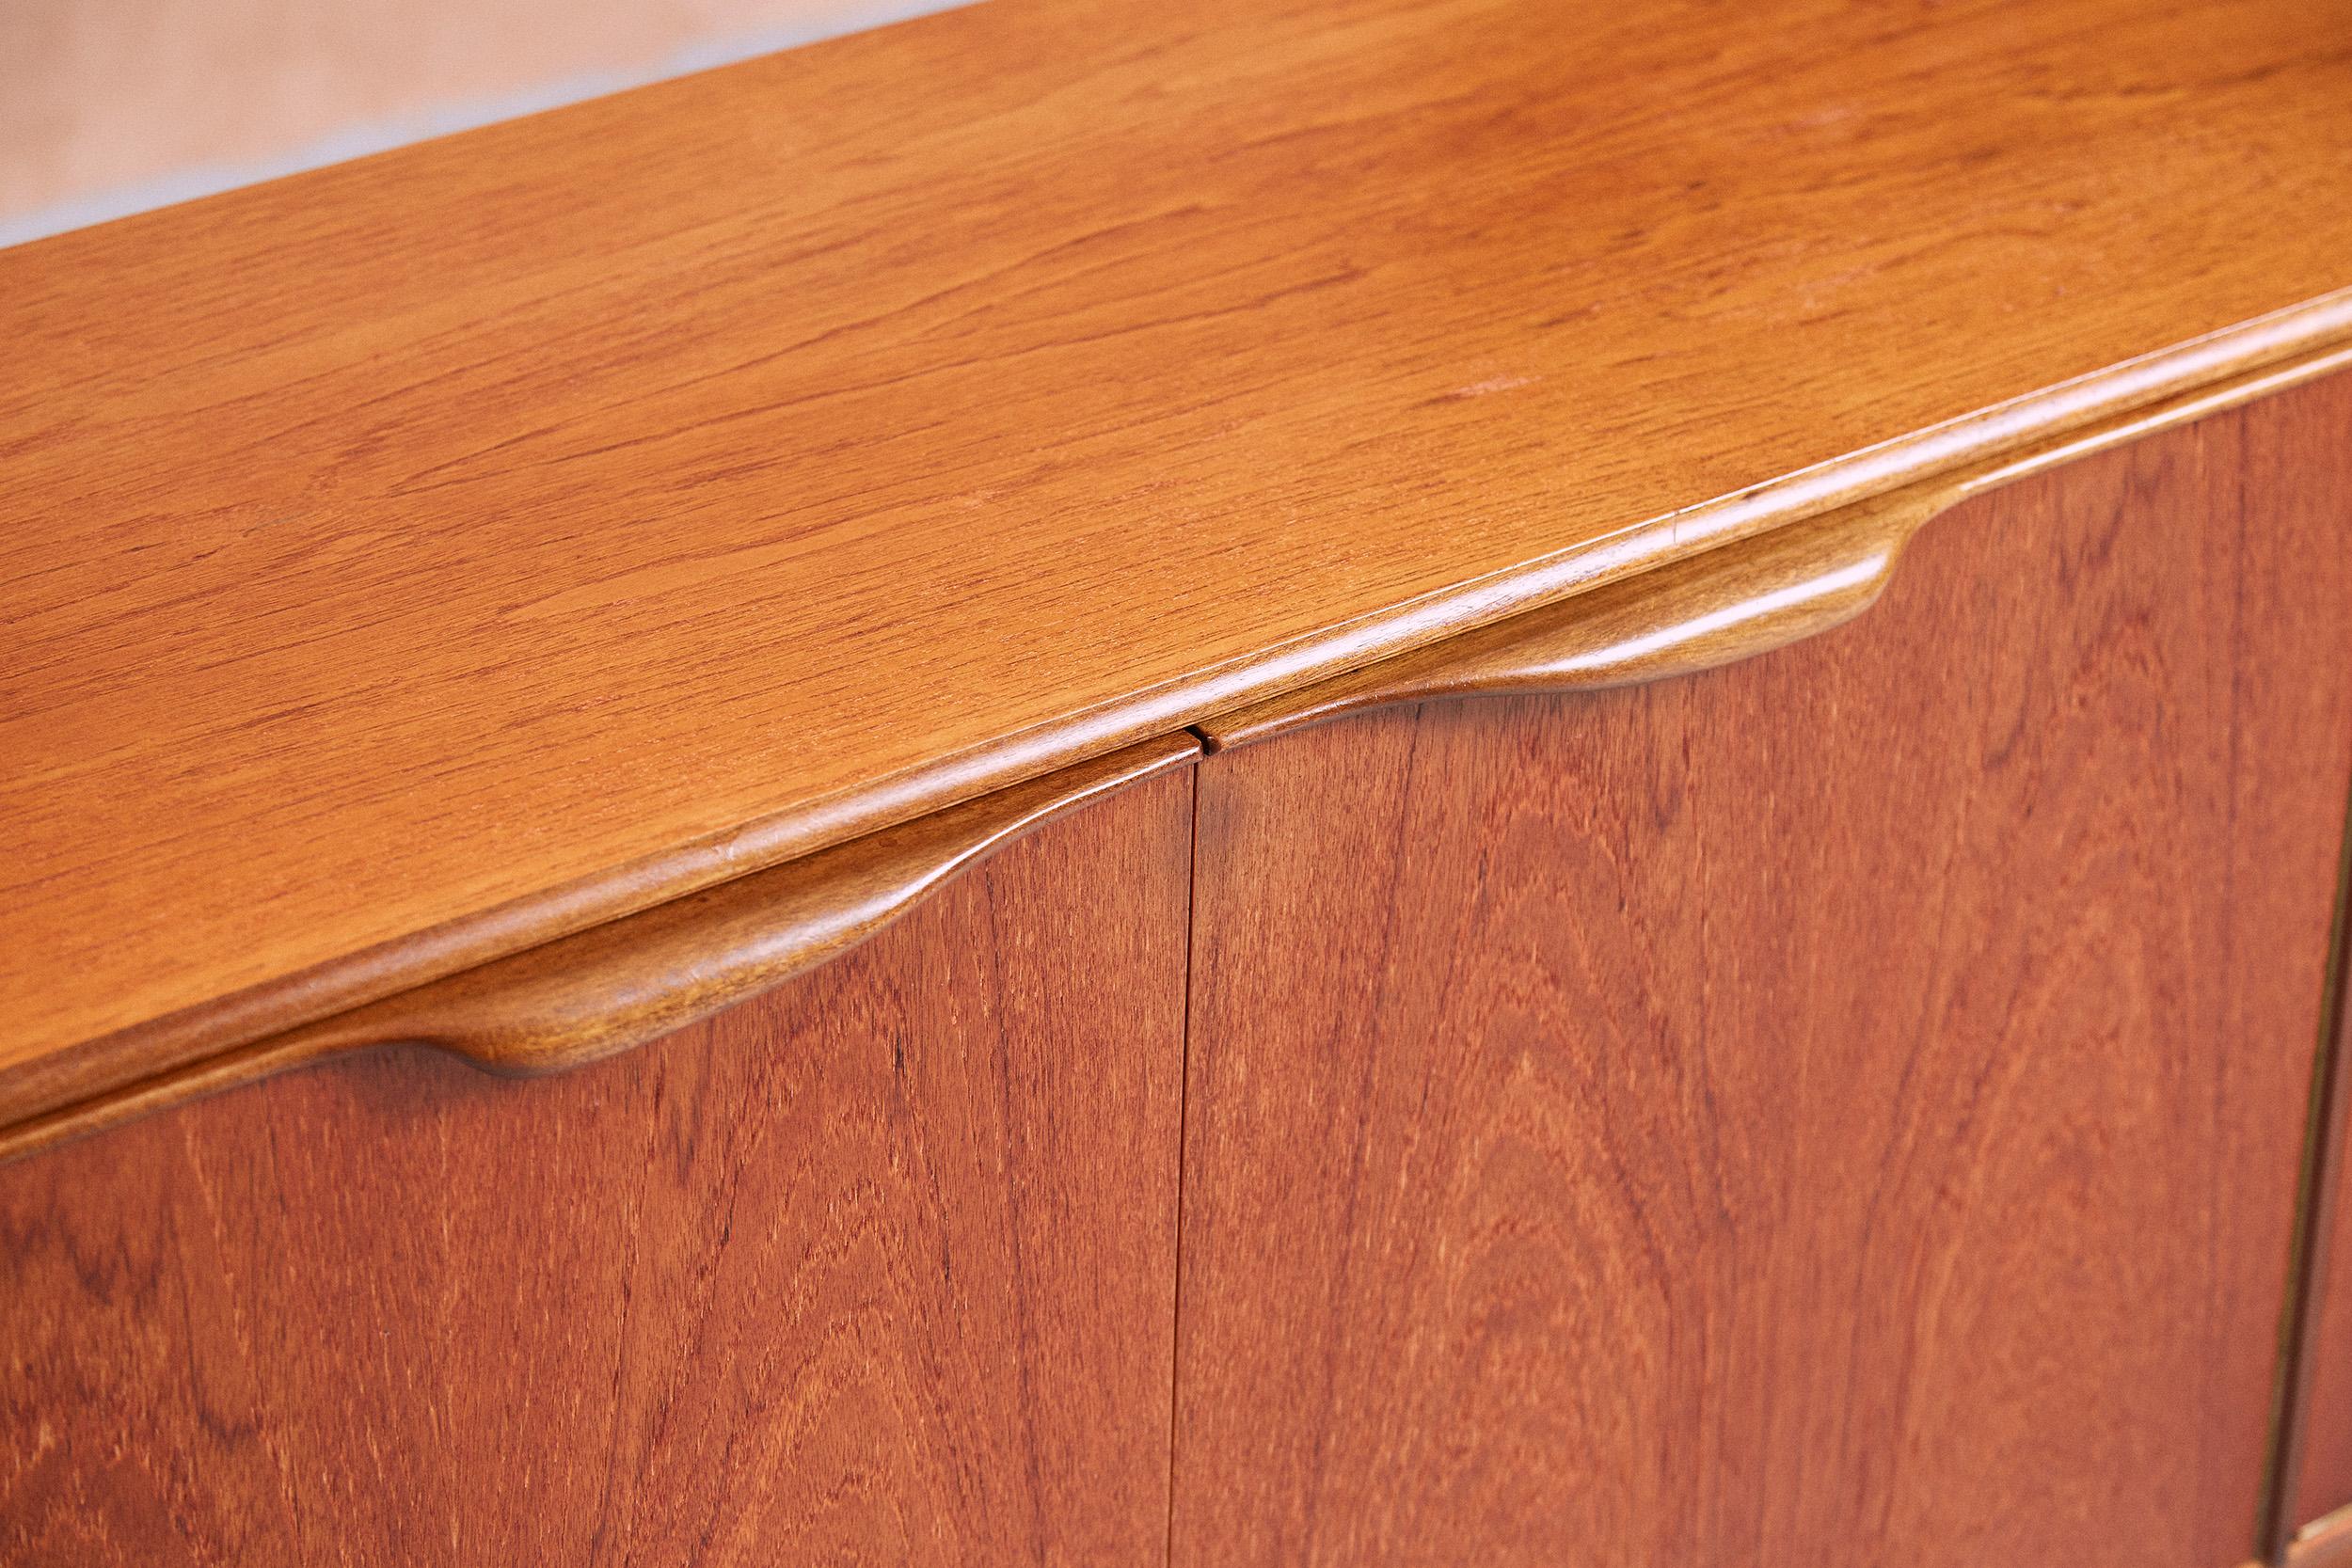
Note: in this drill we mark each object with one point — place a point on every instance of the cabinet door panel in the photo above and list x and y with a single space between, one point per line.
877 1268
1841 1108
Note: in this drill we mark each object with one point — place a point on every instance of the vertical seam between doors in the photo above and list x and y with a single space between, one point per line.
1184 1130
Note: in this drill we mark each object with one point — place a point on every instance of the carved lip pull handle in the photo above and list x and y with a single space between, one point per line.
1733 601
631 980
618 984
1727 604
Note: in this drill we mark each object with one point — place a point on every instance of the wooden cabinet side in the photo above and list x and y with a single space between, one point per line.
2317 1487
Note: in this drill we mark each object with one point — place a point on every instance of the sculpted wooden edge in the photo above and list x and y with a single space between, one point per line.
1730 603
1725 580
1714 608
620 985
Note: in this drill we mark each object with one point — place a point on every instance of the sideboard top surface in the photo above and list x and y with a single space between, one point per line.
413 558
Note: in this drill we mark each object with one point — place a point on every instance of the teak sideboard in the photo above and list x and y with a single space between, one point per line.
1353 782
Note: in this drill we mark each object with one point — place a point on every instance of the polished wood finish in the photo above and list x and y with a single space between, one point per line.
1839 1108
426 558
877 1268
1731 603
1711 610
617 986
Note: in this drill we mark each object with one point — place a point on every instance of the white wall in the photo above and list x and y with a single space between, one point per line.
113 106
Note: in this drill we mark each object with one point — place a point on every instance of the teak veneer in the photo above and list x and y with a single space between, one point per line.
875 1268
1730 603
416 561
1838 1109
618 984
804 601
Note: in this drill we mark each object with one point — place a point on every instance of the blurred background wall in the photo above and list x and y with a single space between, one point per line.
112 106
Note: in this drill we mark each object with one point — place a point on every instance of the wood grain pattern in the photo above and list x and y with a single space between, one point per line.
1727 604
877 1269
616 986
1730 604
428 557
1844 1107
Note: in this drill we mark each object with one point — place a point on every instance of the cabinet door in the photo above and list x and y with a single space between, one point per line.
877 1268
1844 1108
